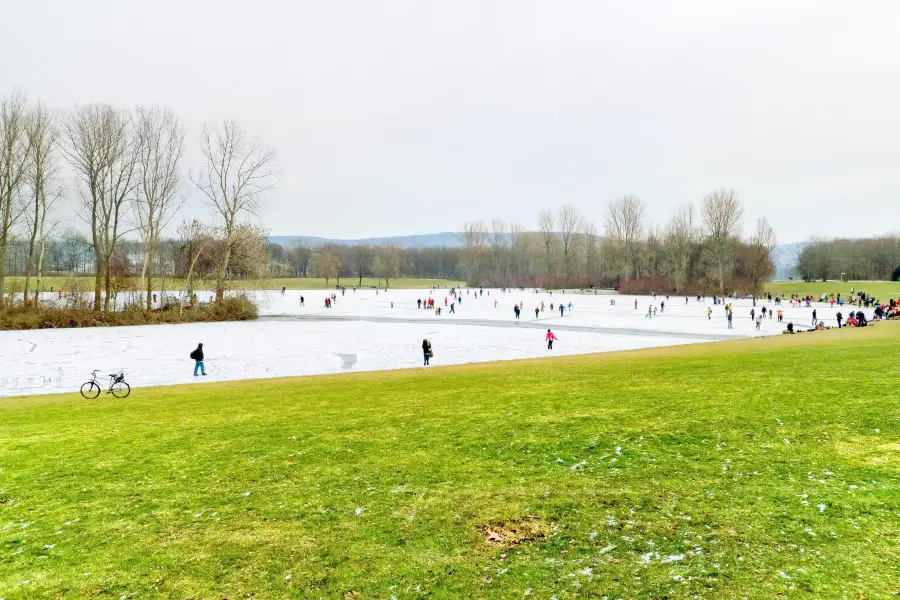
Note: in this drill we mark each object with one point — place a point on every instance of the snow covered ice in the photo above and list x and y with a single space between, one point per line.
362 332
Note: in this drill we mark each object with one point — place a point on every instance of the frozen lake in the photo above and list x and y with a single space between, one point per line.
363 332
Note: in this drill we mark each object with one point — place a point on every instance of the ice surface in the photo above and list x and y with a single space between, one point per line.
362 332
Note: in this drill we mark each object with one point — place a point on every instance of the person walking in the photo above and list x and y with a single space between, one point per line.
550 339
302 301
197 355
453 308
427 352
562 309
730 317
814 318
759 318
517 310
839 318
649 314
537 311
662 306
780 316
752 314
709 313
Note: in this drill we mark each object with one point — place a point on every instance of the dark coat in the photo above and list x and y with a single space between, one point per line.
198 353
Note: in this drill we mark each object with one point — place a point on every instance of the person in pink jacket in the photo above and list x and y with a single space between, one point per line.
550 339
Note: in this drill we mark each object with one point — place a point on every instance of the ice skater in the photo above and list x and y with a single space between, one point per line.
550 339
759 319
302 301
709 313
839 317
537 311
427 352
814 318
452 308
283 290
197 355
562 309
649 314
730 317
517 310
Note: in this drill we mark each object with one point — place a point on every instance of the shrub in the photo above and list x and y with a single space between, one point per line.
233 308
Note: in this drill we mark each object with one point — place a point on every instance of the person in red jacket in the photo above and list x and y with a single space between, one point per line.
550 339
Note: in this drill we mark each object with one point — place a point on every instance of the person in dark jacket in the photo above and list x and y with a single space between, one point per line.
197 355
426 350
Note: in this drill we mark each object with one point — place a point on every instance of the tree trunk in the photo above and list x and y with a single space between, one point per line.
220 274
30 263
40 270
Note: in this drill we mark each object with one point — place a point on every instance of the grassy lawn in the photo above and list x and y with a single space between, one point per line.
291 283
879 289
761 469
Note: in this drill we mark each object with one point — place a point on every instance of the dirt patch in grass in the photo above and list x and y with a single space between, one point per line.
517 531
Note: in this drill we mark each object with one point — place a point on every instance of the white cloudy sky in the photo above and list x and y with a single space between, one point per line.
399 117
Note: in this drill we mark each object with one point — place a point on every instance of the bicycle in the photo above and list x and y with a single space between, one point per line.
117 386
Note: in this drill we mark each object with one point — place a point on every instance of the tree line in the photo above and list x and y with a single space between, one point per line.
697 250
875 258
126 173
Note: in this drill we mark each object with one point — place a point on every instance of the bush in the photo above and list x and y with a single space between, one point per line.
232 308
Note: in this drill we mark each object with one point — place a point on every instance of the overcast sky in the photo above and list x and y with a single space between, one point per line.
399 117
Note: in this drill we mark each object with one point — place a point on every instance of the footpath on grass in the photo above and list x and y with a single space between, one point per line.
754 468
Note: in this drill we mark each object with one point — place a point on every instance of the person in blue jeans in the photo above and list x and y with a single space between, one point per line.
426 350
197 355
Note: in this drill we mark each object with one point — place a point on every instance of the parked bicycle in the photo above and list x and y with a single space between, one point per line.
117 386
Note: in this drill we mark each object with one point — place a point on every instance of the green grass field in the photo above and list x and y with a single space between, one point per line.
759 469
291 283
879 289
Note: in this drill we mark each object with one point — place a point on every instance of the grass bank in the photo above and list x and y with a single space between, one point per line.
763 468
879 289
232 308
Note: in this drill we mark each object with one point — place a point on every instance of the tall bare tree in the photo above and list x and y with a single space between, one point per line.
473 241
43 168
101 147
624 228
160 142
547 231
682 235
15 151
569 223
387 259
591 249
196 242
362 256
239 170
722 211
498 240
762 243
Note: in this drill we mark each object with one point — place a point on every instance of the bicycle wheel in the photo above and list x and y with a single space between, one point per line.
90 390
120 389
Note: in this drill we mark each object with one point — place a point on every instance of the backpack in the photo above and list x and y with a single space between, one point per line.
194 354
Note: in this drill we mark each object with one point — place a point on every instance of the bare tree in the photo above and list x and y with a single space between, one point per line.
160 140
682 235
100 146
15 151
238 170
722 213
569 223
624 228
762 243
387 263
196 241
362 261
591 248
326 264
547 230
473 240
498 240
43 168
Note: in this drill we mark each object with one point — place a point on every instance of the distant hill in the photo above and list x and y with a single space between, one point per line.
425 240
